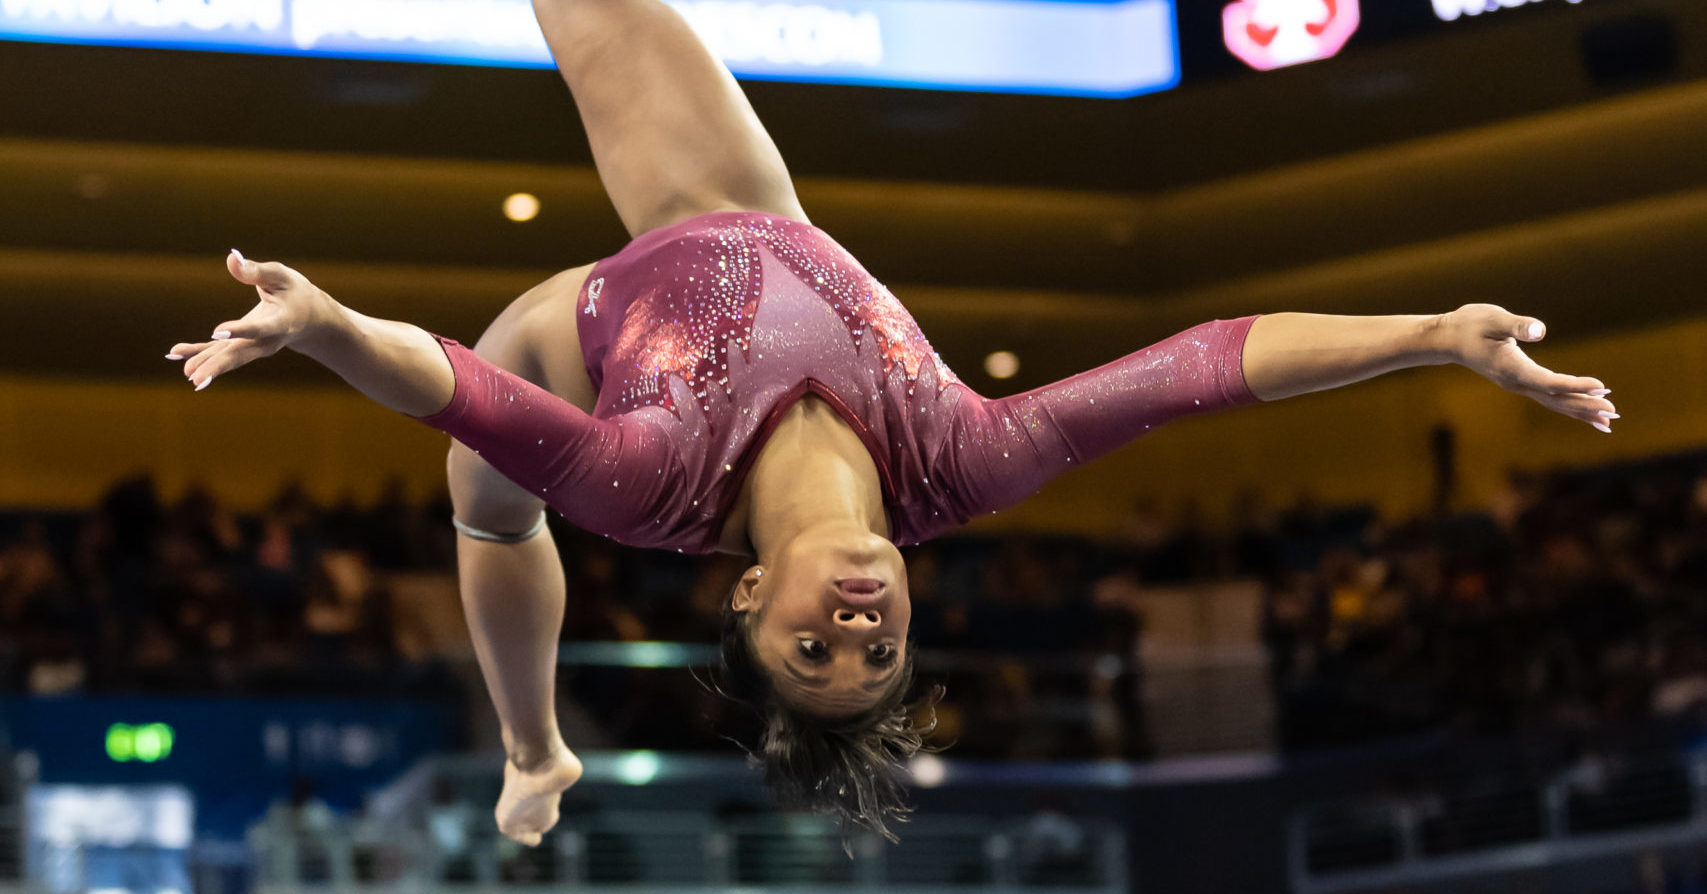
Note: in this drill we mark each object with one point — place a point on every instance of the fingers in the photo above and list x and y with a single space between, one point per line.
1503 360
1556 383
203 361
219 358
1515 369
236 342
1583 406
186 350
266 321
255 328
1505 324
194 354
1593 409
194 367
218 363
1527 328
195 363
1496 322
270 276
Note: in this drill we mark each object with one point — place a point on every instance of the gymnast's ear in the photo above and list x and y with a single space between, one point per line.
744 597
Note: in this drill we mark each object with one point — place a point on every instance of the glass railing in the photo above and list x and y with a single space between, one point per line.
1596 809
454 846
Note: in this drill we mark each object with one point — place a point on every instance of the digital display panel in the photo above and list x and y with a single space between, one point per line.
111 839
1230 38
1107 48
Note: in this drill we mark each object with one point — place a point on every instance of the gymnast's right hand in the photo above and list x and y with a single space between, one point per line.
288 310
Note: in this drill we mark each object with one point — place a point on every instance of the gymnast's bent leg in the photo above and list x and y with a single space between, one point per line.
511 580
671 132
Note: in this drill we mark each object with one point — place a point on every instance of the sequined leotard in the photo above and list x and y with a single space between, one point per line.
701 335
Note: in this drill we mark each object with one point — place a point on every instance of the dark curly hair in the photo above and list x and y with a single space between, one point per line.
847 768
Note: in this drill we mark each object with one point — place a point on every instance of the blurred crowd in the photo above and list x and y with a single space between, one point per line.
1577 601
1574 601
185 595
143 594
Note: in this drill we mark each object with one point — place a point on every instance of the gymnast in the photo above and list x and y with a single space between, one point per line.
734 381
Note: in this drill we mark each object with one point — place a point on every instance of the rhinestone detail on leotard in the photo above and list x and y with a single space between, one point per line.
703 300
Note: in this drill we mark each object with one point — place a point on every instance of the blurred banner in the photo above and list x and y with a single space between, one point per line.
1111 48
235 756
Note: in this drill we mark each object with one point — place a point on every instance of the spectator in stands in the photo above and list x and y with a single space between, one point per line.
33 586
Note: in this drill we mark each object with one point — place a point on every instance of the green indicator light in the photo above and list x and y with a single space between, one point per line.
121 742
147 744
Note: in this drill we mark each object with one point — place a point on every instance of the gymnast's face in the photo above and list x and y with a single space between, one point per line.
831 624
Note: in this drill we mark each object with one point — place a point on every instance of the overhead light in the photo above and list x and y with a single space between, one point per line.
1002 364
93 186
521 207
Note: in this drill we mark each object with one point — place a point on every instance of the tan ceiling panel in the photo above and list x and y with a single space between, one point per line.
109 252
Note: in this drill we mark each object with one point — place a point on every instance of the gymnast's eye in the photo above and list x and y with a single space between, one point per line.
881 654
814 649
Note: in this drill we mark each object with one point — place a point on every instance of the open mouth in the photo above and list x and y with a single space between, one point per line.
860 591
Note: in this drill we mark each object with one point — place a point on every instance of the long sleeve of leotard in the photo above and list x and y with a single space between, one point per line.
1003 450
610 476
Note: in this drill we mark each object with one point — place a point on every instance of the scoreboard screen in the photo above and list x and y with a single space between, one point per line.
1107 48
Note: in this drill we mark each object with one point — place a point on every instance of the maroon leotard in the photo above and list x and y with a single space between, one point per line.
700 336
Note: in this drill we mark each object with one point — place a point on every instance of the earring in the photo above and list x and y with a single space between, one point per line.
758 572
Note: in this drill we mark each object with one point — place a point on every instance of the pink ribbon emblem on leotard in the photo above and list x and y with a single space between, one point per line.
594 288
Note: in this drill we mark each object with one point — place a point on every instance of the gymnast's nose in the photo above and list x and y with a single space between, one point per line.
858 620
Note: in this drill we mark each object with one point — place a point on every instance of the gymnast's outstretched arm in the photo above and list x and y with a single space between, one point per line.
396 364
1290 354
606 475
1012 445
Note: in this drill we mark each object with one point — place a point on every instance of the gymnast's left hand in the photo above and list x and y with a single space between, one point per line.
287 312
1489 339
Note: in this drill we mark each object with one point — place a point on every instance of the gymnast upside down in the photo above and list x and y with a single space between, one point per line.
733 380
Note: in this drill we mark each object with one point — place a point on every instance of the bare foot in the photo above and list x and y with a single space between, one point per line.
527 809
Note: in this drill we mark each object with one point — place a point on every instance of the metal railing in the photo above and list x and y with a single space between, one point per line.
651 853
1593 811
637 851
455 847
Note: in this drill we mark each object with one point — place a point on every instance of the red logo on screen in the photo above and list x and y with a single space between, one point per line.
1267 34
